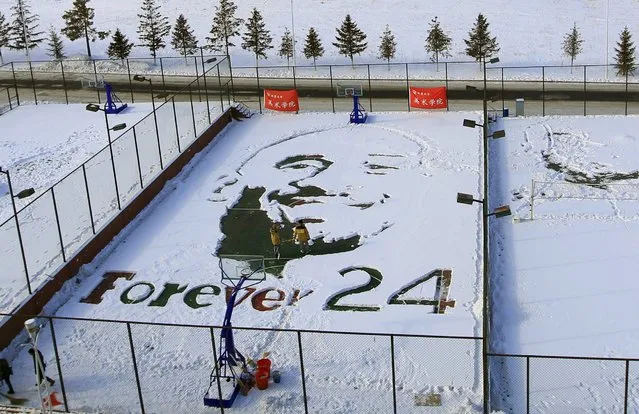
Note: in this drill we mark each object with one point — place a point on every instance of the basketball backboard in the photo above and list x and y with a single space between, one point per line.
347 90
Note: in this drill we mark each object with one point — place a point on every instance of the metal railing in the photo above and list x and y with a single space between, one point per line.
125 366
82 81
546 90
8 99
60 220
562 384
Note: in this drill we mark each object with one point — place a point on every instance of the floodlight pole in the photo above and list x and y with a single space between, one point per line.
293 29
15 216
486 284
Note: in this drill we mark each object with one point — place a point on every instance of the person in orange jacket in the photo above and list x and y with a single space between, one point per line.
301 236
275 238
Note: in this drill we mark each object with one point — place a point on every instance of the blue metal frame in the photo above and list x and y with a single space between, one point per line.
358 115
229 357
110 106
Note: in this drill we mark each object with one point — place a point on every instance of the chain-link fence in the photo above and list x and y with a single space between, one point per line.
83 81
543 90
45 233
553 384
124 367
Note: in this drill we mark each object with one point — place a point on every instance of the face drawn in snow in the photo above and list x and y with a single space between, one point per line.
339 201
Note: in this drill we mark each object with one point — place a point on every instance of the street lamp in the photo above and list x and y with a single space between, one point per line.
293 29
141 78
22 194
469 123
118 127
502 211
485 214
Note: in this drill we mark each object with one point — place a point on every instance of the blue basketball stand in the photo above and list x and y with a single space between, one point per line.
355 91
111 106
359 115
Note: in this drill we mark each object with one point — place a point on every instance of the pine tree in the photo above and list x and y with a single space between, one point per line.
153 27
479 44
350 40
625 50
120 47
79 23
313 46
256 38
225 26
572 44
286 47
55 48
183 40
23 34
4 34
388 46
437 42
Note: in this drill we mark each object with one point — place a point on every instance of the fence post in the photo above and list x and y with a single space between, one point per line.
407 87
585 90
625 393
527 385
219 83
259 95
503 100
532 200
543 91
57 222
162 72
330 72
135 367
57 362
392 344
86 186
217 368
446 77
64 82
97 89
197 79
206 94
15 83
370 89
128 70
35 95
626 112
294 79
177 131
192 112
137 157
9 99
299 342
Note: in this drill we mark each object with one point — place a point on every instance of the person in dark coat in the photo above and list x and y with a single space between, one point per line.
43 367
5 374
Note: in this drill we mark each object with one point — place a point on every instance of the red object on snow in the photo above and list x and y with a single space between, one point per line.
264 364
52 400
261 379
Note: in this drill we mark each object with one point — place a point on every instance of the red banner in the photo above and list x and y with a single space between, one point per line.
285 101
428 98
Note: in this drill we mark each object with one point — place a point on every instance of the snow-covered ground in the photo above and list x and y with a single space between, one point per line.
391 181
527 35
41 146
564 278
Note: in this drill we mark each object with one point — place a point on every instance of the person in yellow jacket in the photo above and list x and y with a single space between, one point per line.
275 238
301 236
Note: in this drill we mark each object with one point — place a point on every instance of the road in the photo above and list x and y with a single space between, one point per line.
320 94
